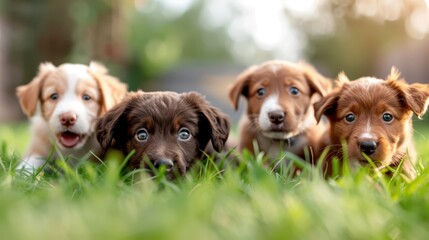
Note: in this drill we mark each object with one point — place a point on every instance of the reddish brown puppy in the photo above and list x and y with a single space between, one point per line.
280 114
164 128
374 117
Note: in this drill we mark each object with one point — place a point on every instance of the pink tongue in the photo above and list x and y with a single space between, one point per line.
69 139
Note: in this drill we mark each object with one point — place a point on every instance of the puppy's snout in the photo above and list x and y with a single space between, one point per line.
164 162
368 146
276 117
68 119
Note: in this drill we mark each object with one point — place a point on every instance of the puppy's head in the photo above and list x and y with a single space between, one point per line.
165 128
69 98
374 116
279 97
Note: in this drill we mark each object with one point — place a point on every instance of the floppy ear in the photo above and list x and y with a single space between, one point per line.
416 95
417 98
212 119
240 86
326 106
111 89
107 126
318 83
29 94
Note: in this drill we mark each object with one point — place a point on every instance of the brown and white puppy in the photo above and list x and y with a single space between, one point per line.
374 117
280 114
63 104
166 128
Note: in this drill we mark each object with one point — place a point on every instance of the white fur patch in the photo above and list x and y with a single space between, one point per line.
367 134
270 104
367 82
72 102
308 122
31 164
275 68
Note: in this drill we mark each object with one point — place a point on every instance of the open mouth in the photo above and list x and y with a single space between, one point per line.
69 139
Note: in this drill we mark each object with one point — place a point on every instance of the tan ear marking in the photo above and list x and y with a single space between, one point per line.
112 89
97 67
28 94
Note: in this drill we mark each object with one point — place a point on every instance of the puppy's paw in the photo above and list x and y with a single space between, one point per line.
30 165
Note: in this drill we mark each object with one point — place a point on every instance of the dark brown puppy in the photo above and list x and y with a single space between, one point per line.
374 117
166 128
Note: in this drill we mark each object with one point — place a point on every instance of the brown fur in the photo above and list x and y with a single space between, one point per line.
369 99
298 129
163 115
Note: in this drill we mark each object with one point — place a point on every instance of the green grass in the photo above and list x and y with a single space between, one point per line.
244 201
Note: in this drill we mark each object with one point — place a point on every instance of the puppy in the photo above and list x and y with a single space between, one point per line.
280 114
374 117
63 104
164 128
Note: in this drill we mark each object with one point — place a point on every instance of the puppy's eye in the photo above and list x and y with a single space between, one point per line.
387 117
184 134
86 97
142 135
54 96
349 117
294 91
260 92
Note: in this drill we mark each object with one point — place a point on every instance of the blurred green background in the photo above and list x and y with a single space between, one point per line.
185 45
198 45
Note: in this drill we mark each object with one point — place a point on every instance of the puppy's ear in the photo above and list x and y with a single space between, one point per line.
326 106
212 119
28 94
107 126
240 86
111 89
318 83
417 98
416 95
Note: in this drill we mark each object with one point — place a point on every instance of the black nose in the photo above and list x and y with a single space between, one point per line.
276 117
368 147
164 162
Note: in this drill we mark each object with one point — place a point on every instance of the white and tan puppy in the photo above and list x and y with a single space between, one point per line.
63 104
